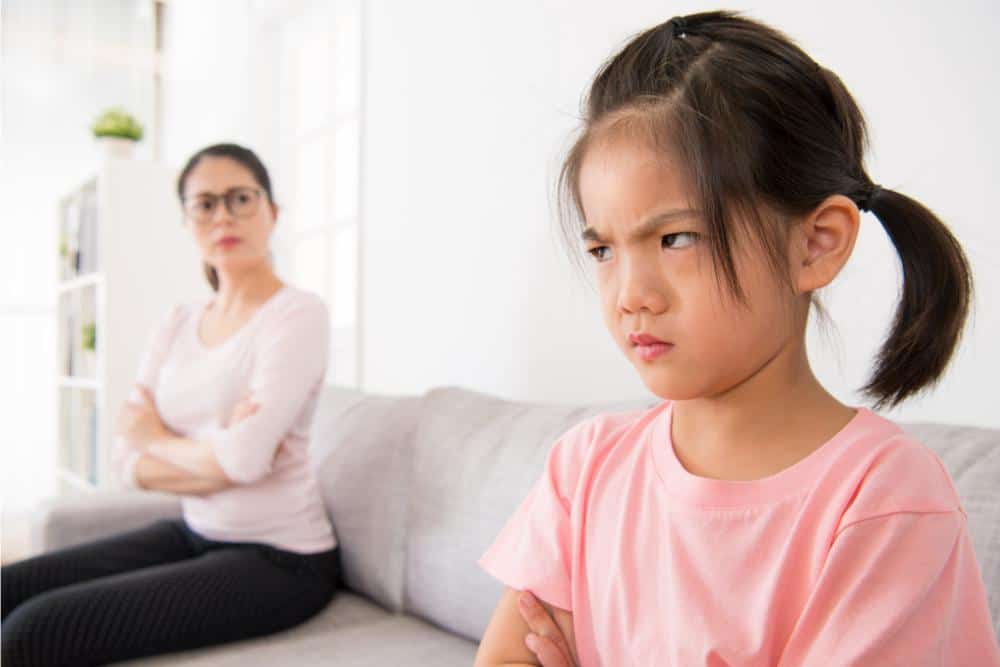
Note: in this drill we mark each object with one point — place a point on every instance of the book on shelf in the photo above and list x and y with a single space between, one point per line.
79 234
92 447
70 344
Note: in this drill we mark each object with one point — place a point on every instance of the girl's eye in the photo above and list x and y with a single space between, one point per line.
600 253
679 240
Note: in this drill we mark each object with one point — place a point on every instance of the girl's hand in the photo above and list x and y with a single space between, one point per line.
546 639
140 423
244 409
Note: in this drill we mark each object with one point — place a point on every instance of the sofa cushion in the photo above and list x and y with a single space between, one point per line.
349 632
972 458
361 451
475 459
62 522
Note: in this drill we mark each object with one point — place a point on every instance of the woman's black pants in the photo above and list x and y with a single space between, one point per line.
154 590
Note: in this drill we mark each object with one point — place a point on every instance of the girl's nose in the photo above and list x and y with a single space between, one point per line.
641 289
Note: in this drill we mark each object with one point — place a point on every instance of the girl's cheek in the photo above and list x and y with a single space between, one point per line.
601 276
608 299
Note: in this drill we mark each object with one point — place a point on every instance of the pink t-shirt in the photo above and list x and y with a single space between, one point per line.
279 356
856 555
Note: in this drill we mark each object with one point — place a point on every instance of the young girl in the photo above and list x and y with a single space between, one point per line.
751 518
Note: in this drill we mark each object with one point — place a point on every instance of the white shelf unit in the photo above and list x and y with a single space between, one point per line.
125 257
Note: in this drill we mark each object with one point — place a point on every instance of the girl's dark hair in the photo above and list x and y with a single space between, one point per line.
764 134
243 156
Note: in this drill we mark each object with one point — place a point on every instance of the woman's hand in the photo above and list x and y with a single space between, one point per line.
140 423
546 639
244 409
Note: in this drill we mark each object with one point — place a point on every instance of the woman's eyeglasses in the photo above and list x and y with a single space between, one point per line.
240 202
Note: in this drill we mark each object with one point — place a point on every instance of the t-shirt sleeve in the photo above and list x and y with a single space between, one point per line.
898 589
123 456
290 361
533 551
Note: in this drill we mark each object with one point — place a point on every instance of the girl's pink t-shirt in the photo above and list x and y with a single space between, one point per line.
856 555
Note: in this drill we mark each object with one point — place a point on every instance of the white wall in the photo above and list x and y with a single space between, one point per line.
468 109
469 106
208 77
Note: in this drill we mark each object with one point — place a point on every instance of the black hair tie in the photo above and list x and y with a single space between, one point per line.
867 199
680 26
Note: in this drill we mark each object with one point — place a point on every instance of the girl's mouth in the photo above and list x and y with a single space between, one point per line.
653 350
649 347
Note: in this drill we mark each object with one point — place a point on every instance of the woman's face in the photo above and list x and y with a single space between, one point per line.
656 279
229 240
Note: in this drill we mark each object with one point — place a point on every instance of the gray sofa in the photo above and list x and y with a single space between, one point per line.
418 487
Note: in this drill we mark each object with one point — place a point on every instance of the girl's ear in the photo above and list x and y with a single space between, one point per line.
822 242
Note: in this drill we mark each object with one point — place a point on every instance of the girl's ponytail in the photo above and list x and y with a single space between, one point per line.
936 293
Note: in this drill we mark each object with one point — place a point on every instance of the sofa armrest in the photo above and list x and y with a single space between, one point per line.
65 521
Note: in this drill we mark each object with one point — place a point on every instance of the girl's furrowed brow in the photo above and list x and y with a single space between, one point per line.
646 228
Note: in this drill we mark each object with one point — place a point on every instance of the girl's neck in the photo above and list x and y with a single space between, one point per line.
771 420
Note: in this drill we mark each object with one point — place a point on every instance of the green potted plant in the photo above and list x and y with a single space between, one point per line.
88 342
67 267
117 131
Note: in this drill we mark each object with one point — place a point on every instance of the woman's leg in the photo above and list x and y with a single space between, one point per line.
161 542
223 595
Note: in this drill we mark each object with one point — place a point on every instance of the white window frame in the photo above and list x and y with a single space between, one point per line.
277 30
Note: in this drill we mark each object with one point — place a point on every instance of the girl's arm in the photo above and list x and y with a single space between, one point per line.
506 640
903 588
533 553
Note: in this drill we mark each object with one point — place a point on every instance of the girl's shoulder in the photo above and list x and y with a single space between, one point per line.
591 441
606 429
893 472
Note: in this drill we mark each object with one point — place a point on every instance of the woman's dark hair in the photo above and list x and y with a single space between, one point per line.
243 156
764 134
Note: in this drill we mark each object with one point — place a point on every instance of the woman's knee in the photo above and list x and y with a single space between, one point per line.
27 634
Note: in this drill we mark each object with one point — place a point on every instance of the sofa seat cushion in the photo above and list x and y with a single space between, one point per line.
351 631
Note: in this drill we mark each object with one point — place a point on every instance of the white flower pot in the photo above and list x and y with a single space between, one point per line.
118 147
88 364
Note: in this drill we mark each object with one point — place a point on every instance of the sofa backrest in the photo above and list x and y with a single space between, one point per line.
419 487
475 457
972 457
361 449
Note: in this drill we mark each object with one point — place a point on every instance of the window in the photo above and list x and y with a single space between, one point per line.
314 92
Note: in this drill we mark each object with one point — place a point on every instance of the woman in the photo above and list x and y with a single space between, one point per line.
220 417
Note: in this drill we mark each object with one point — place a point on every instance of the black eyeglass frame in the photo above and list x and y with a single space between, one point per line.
227 198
